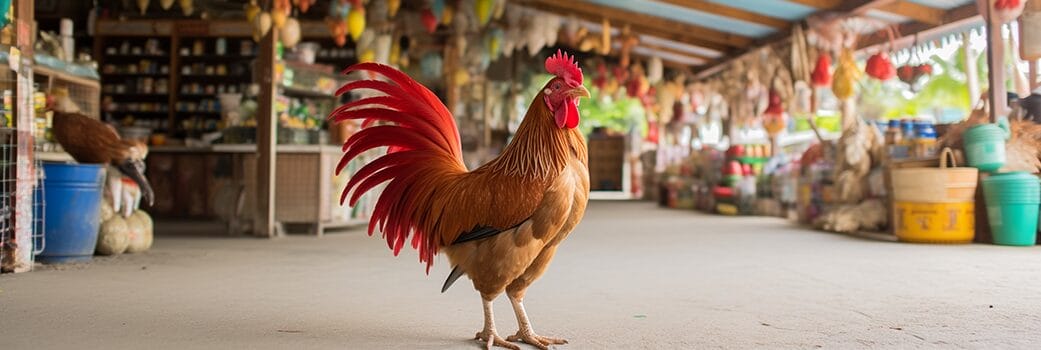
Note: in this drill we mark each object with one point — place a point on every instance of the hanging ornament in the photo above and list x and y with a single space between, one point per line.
356 21
252 10
392 7
142 5
605 37
261 25
880 67
290 34
304 5
279 13
448 15
187 7
773 116
629 40
655 70
483 9
846 75
338 29
429 20
166 4
1004 10
821 75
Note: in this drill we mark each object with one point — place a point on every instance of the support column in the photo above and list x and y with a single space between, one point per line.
996 66
21 257
267 129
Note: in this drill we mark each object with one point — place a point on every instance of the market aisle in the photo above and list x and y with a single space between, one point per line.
633 276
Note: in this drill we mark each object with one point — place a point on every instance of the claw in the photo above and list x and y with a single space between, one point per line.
492 339
536 340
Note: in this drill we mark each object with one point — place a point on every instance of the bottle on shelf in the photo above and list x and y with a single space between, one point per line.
895 140
925 142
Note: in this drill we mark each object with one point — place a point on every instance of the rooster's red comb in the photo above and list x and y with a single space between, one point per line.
564 66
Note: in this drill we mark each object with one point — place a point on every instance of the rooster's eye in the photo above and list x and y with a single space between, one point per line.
556 86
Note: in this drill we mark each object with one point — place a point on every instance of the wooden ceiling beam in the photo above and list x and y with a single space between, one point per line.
960 13
647 24
674 51
730 12
818 4
917 12
822 6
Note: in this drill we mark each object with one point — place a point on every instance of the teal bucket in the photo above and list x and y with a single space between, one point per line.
985 146
1012 207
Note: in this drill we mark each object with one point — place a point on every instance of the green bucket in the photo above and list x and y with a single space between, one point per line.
1012 207
985 145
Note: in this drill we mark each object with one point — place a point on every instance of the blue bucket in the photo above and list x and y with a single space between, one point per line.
72 194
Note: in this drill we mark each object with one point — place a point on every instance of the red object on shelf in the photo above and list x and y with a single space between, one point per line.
736 151
746 170
722 192
732 168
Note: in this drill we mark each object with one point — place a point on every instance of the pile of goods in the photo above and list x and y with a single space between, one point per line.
124 227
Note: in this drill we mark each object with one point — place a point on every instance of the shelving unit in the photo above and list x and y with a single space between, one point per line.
167 76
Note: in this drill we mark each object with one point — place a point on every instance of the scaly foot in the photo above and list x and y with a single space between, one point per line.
536 340
490 339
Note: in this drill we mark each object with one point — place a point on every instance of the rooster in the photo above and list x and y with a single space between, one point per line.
499 224
88 140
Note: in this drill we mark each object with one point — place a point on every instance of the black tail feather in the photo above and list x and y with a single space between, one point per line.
135 168
454 275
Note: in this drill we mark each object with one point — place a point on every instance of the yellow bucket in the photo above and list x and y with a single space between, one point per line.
935 222
935 205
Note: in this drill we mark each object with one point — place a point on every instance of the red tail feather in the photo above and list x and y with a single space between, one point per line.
423 148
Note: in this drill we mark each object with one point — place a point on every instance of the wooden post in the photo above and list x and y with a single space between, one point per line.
21 256
487 114
1033 75
996 66
267 129
971 70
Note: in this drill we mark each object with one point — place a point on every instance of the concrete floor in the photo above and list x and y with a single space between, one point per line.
632 276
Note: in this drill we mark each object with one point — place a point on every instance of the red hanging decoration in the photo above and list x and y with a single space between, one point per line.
821 75
880 67
429 20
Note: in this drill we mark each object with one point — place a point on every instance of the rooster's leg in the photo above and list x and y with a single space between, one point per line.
489 335
525 333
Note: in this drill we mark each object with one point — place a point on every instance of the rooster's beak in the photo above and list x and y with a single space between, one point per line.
579 91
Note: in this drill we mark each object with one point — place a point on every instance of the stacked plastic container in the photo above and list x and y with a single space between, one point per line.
1012 198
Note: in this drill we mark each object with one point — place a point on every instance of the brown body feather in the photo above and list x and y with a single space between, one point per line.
541 182
88 140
